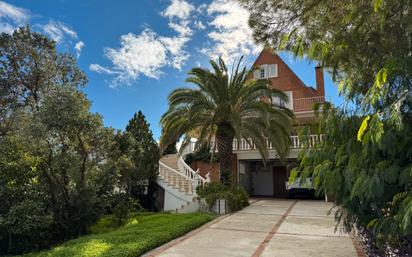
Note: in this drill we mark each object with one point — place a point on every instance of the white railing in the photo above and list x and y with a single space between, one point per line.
176 178
189 172
246 145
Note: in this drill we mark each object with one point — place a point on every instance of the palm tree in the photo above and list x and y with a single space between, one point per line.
227 106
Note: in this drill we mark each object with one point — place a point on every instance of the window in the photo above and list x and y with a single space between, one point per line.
262 72
282 103
273 70
266 71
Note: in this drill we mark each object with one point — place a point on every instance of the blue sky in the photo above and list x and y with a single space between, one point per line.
135 52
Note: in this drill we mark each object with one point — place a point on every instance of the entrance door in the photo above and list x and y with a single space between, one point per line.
279 179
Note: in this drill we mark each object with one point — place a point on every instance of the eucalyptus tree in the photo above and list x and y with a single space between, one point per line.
227 105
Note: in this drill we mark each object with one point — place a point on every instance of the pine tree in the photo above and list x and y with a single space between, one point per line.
144 154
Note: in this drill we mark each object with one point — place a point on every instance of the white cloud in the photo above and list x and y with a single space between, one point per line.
100 69
179 9
175 46
138 54
230 35
12 17
199 25
62 34
201 8
78 47
7 27
58 31
148 52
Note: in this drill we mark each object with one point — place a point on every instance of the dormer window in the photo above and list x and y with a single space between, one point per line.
266 71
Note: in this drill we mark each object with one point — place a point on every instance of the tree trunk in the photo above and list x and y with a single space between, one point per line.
224 137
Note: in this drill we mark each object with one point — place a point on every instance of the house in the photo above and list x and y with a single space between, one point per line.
251 174
178 180
249 170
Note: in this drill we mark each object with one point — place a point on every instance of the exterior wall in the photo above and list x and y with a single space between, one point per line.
268 182
286 79
206 167
260 180
213 169
173 198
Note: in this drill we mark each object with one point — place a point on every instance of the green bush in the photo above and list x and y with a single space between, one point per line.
237 197
370 180
202 153
121 205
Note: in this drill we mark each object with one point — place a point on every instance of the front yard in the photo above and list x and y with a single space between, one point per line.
142 233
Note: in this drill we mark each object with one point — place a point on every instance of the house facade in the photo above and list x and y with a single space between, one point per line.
248 168
178 181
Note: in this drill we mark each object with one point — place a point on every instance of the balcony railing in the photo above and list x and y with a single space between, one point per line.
243 144
306 104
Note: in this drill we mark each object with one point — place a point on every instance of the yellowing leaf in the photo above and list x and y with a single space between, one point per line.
363 128
341 86
381 78
377 5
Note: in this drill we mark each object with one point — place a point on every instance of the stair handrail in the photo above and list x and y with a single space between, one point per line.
188 171
175 171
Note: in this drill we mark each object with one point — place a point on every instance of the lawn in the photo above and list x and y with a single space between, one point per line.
142 233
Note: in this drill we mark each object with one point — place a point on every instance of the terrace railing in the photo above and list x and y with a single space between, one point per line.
306 104
247 145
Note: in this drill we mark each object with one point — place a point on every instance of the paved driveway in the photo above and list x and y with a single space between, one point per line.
278 228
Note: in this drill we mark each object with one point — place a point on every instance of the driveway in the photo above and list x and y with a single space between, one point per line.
275 228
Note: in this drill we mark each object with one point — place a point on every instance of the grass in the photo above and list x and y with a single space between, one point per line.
140 234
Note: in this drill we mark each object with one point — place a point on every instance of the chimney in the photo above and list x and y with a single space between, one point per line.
320 84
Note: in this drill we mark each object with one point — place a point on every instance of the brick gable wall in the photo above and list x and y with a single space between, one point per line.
287 80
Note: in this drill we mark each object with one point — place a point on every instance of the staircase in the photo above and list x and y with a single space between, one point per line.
179 182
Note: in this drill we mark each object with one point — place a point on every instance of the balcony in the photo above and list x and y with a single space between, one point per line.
243 145
306 104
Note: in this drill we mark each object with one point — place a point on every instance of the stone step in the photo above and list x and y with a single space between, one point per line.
170 160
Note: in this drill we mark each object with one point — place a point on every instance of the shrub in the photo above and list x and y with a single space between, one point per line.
202 153
121 205
237 197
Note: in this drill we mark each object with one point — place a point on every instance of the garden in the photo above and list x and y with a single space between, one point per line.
71 186
138 234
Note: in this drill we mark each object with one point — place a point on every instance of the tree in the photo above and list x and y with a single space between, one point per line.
170 149
365 158
225 106
52 148
25 220
136 156
146 150
370 181
74 144
30 69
